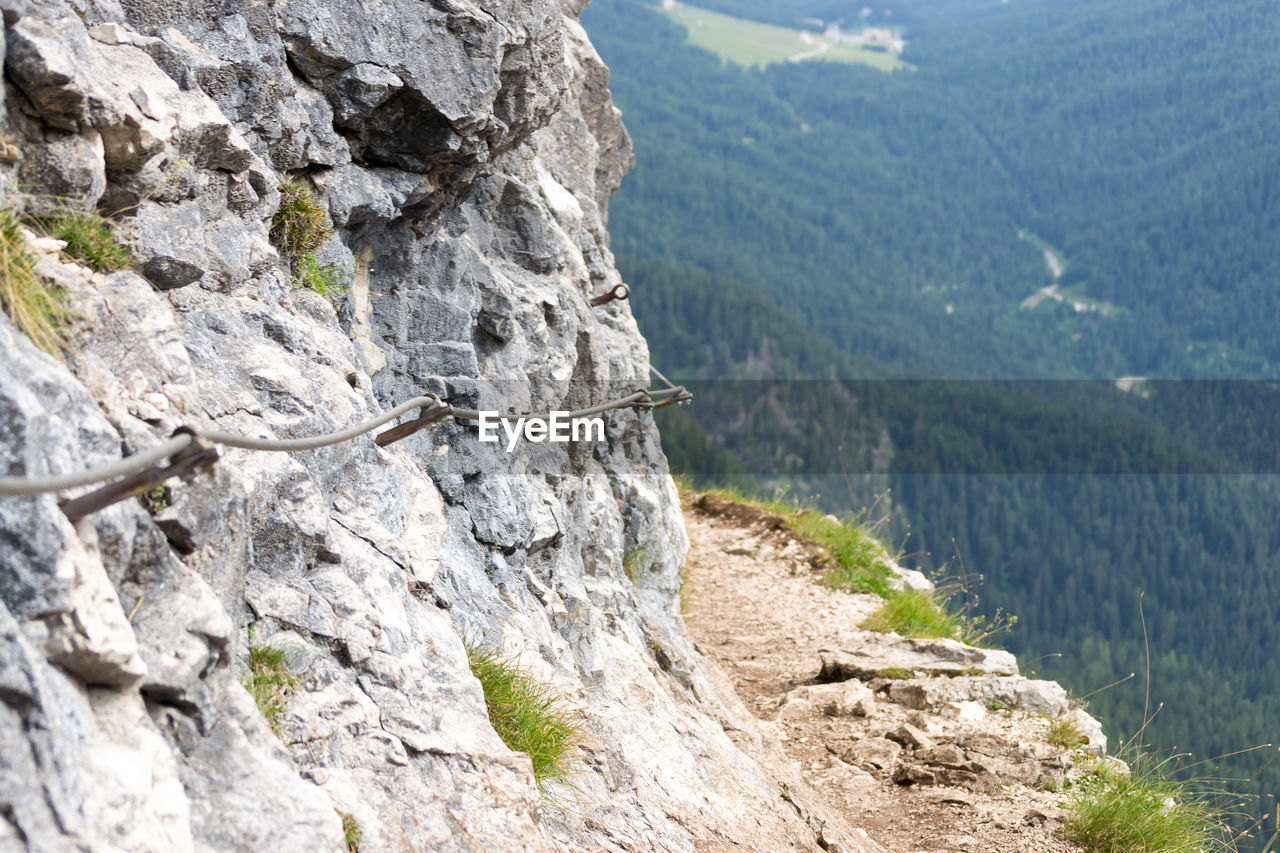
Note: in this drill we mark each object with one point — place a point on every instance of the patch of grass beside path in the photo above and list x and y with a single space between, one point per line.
917 613
913 613
858 561
855 558
1145 810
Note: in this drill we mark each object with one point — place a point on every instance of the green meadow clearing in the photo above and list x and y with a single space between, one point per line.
752 44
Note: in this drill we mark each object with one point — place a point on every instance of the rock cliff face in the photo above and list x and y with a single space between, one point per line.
465 153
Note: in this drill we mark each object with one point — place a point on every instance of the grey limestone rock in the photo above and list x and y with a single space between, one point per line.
52 427
875 753
841 699
979 761
70 165
931 656
1045 697
361 89
908 578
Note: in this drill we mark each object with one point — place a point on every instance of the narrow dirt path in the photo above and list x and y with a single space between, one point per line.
758 608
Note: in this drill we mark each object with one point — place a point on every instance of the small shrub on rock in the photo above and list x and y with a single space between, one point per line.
298 228
351 832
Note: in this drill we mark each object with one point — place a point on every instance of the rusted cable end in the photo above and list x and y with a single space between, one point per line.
619 291
196 456
426 417
682 396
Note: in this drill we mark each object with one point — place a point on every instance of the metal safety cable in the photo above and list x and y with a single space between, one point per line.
434 409
28 486
293 445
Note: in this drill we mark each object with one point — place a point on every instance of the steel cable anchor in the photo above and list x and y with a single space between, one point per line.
185 462
426 417
618 291
681 396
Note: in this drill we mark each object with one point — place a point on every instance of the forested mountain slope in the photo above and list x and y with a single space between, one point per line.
814 221
886 208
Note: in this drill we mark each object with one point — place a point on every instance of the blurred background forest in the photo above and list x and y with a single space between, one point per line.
920 284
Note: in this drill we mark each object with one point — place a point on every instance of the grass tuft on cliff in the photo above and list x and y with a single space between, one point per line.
270 683
313 275
298 228
528 717
1063 733
1144 810
37 307
88 236
299 225
633 560
351 832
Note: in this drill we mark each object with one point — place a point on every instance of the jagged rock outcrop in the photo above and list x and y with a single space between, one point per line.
465 152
